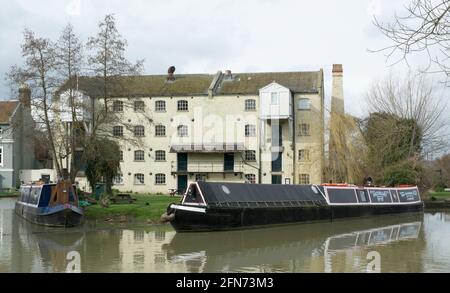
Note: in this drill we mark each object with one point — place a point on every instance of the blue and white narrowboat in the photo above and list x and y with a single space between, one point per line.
54 204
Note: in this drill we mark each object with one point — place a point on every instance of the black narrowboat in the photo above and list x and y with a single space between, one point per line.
53 204
208 206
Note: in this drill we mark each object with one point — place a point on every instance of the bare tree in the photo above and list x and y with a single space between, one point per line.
425 28
69 61
108 61
38 72
412 98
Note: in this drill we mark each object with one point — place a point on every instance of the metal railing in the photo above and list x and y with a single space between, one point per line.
207 167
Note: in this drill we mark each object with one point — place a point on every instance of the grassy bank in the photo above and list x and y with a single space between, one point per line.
146 208
9 194
440 195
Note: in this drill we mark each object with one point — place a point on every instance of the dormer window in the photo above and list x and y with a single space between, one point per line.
274 100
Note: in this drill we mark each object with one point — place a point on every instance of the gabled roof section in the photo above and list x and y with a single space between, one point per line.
273 85
197 84
7 109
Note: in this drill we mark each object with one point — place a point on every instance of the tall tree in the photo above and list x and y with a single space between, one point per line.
108 61
38 73
69 61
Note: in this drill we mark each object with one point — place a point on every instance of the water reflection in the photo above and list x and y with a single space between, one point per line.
407 243
324 247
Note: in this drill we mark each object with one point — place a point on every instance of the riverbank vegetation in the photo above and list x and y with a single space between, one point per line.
9 193
146 208
405 124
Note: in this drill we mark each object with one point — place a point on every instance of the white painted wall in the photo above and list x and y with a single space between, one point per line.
284 108
35 175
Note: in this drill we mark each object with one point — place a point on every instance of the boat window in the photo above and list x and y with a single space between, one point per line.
362 196
394 195
24 194
34 195
380 195
193 195
45 195
408 195
344 195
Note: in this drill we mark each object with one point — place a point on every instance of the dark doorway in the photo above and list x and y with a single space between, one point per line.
276 179
182 183
182 159
277 162
228 162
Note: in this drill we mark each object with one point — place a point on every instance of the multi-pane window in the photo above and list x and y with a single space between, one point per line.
160 156
139 106
304 104
160 106
182 105
160 179
139 156
160 130
139 131
118 131
118 106
304 178
139 179
250 156
250 130
182 131
304 130
118 179
121 156
274 98
250 178
200 177
1 156
303 155
250 105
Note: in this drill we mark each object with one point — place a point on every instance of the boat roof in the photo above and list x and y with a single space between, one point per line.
222 193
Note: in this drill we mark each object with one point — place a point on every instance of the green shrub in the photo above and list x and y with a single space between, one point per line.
405 172
439 188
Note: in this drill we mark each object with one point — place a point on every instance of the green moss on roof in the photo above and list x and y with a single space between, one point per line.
196 84
146 85
250 83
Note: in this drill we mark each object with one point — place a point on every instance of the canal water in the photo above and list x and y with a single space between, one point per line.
405 243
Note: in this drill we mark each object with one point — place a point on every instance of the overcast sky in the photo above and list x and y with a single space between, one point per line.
206 36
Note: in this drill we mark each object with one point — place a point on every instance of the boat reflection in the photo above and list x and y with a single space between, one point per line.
323 247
